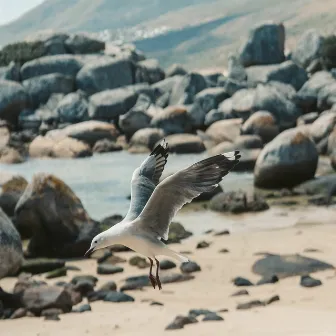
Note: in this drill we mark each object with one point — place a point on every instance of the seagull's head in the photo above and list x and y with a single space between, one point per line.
98 242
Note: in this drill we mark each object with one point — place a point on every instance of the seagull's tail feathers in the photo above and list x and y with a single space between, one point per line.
176 255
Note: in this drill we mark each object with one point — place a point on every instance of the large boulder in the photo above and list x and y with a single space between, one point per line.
307 48
87 131
287 72
73 108
83 44
105 75
308 94
10 72
67 65
224 130
40 88
265 45
11 254
62 227
147 137
148 71
288 160
13 99
185 90
261 123
172 120
185 143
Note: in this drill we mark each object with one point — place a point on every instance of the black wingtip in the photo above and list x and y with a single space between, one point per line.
161 149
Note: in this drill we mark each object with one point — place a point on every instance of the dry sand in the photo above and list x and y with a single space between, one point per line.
300 311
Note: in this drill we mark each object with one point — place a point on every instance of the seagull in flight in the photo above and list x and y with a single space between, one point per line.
154 205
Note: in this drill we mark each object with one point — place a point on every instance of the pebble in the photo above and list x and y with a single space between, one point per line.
202 244
212 317
241 293
240 282
309 282
224 250
167 264
190 267
118 297
104 269
109 286
222 233
180 321
83 308
268 280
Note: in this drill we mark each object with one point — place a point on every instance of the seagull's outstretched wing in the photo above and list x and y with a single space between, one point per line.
180 188
145 179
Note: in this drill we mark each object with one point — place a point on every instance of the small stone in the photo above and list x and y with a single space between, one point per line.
224 250
104 257
108 269
73 268
139 262
52 318
83 308
240 293
198 312
189 267
84 287
180 321
118 297
202 244
222 233
268 280
109 286
208 231
155 303
167 264
57 273
212 317
250 305
308 281
90 278
240 282
224 310
311 250
272 299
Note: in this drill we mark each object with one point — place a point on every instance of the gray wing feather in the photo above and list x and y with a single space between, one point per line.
145 179
180 188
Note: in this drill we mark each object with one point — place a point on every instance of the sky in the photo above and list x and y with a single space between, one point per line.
12 9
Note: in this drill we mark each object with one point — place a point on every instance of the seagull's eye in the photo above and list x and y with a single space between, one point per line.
96 241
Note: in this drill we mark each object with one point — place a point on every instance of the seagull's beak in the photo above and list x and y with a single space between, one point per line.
89 252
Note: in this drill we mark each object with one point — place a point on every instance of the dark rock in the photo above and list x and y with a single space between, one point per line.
167 264
288 160
269 280
176 69
210 98
224 130
184 90
40 88
222 233
308 118
240 293
155 303
177 232
106 146
236 70
139 262
202 244
248 142
190 267
180 321
148 71
322 127
84 287
66 65
50 312
224 250
83 44
37 299
13 99
212 317
307 48
176 277
118 297
10 72
82 309
19 313
56 273
265 45
250 305
25 281
284 266
11 254
62 227
198 312
326 97
274 298
309 282
73 108
108 286
108 269
185 143
105 75
240 282
147 137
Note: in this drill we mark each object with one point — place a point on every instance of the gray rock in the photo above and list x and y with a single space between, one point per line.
41 265
202 244
331 146
326 97
82 309
105 75
73 108
263 124
118 297
288 160
106 146
213 116
19 313
307 119
83 44
236 70
212 317
309 282
231 86
11 253
268 280
322 126
148 71
167 264
180 321
210 98
224 130
110 104
287 72
66 65
88 278
185 90
284 266
40 88
265 45
10 72
250 305
109 286
190 267
13 99
147 137
240 293
248 142
197 115
185 143
177 232
176 69
172 120
166 86
307 48
109 269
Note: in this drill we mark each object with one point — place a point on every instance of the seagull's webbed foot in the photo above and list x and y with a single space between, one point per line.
151 276
157 274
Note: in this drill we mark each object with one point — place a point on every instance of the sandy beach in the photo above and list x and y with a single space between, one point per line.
300 311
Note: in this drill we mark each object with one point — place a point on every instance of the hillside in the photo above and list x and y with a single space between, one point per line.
199 33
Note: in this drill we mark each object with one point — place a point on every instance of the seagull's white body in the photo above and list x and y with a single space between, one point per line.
153 204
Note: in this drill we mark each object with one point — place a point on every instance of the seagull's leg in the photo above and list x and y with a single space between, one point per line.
157 273
151 277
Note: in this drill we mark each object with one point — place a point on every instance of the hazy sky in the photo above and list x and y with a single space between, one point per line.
11 9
